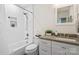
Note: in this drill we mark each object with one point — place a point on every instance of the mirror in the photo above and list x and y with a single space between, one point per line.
65 14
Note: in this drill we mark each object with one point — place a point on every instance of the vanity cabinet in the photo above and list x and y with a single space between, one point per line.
45 47
48 47
64 49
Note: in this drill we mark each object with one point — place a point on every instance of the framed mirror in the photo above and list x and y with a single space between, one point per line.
65 15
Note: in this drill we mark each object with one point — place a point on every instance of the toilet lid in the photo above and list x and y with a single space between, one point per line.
31 47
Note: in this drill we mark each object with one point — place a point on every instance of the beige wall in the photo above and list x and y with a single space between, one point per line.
43 18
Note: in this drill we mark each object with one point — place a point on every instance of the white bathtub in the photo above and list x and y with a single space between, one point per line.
18 48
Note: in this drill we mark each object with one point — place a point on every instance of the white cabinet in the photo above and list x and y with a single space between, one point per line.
64 49
72 49
58 48
45 47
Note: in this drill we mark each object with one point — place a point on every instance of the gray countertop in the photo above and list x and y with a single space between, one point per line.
62 40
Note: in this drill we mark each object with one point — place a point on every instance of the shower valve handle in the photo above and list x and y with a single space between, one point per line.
27 34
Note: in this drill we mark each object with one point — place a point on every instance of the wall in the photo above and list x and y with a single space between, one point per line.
43 18
66 29
15 36
3 43
30 25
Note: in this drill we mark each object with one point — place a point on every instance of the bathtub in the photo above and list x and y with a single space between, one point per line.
18 48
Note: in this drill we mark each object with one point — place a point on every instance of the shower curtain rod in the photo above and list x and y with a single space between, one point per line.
23 8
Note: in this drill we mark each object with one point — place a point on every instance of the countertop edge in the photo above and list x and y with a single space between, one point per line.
62 41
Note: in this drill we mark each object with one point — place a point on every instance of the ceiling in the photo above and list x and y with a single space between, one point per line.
61 5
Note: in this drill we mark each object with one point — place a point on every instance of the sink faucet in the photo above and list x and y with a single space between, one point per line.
56 33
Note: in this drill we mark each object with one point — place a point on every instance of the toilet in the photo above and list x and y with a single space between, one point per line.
31 49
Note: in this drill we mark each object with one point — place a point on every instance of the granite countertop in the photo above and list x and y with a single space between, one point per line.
74 41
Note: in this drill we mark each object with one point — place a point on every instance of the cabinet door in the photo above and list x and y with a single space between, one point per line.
43 51
72 49
58 48
44 47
